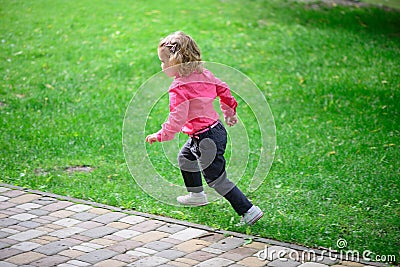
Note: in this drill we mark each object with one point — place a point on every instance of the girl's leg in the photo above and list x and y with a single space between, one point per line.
189 168
213 147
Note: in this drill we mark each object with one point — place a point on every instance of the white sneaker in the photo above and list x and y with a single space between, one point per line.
193 199
252 215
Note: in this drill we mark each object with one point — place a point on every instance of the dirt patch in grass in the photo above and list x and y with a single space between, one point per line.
82 168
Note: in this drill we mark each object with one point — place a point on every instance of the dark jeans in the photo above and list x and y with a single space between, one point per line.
204 153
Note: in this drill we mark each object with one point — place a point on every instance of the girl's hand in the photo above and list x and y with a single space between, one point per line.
152 138
230 121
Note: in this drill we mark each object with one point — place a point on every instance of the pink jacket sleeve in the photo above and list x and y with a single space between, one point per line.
227 101
179 108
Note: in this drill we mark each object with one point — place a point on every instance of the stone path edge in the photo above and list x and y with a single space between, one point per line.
318 252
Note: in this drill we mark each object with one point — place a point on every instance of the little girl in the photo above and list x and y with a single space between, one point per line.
191 111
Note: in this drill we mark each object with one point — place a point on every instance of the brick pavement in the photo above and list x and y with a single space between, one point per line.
41 229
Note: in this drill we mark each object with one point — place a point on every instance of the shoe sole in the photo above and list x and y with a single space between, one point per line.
255 219
193 204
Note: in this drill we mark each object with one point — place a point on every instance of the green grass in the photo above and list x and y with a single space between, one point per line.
331 77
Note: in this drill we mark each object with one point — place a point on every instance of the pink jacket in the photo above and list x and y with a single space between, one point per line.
191 104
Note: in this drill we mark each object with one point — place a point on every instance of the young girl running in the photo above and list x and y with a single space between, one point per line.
191 111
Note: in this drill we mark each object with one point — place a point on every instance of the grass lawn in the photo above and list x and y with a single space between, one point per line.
331 77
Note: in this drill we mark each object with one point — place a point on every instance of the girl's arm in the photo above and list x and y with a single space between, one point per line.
179 108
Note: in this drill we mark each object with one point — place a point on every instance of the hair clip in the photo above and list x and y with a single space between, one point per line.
172 48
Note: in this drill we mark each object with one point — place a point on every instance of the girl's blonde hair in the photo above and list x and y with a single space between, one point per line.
184 51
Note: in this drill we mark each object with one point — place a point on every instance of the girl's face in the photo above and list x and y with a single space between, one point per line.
169 70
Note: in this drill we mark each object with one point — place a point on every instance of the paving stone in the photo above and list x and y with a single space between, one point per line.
79 208
170 254
44 201
126 233
49 238
97 256
8 221
9 252
25 258
7 264
67 222
3 245
115 238
30 234
125 258
150 236
172 240
211 237
99 231
50 261
24 198
110 263
15 210
26 246
41 220
92 245
125 246
239 253
158 245
71 253
28 206
109 217
84 216
178 264
67 232
136 254
171 228
119 225
146 250
19 228
61 214
59 205
252 262
150 261
78 263
228 243
192 245
2 198
132 219
29 224
54 247
325 259
13 193
4 189
82 238
84 247
146 226
89 225
98 211
215 262
200 256
4 234
73 240
348 263
50 218
103 241
284 263
187 261
6 205
212 250
39 212
187 234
